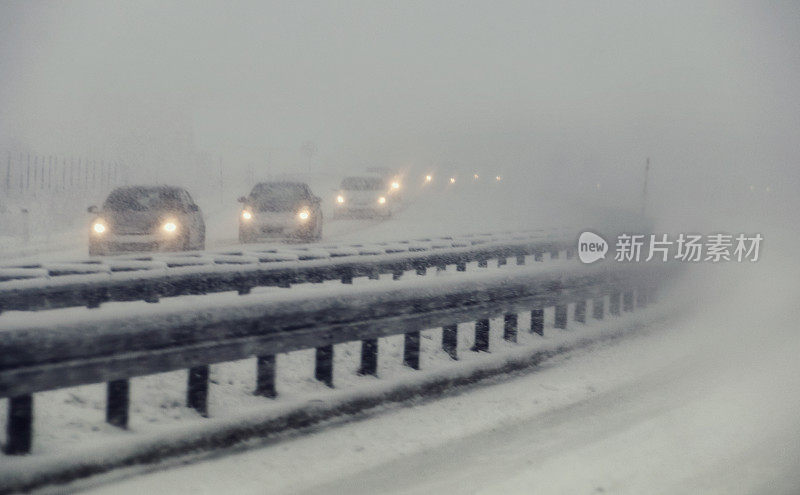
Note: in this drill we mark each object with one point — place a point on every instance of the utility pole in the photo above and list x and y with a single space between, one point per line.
644 190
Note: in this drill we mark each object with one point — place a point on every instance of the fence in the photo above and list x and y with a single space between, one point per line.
26 174
149 278
116 345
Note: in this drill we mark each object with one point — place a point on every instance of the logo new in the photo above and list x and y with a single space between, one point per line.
591 247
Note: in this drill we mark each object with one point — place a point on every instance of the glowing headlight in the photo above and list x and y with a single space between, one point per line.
340 199
498 178
99 228
170 227
452 180
395 185
428 178
303 215
247 215
382 200
475 176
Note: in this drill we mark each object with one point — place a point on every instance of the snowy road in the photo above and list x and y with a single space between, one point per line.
708 403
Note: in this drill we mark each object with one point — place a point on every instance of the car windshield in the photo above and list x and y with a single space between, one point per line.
143 199
363 184
278 191
278 196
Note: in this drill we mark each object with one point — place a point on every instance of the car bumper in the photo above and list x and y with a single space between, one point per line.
274 228
362 210
119 243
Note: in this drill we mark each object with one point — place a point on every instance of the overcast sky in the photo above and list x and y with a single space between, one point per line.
565 92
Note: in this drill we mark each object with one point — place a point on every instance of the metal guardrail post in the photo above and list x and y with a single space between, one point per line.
323 370
537 321
641 297
598 307
265 376
369 357
19 427
117 403
411 350
450 340
561 316
481 336
627 301
580 311
614 301
510 327
197 390
652 294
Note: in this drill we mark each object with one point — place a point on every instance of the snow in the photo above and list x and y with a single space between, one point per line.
705 402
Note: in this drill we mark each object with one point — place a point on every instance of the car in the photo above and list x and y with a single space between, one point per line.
366 196
286 210
146 218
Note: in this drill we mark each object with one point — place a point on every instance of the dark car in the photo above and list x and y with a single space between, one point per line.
147 218
280 210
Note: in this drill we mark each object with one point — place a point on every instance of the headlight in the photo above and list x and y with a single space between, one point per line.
247 215
382 200
170 227
98 228
340 199
498 178
452 180
428 178
304 215
475 176
395 185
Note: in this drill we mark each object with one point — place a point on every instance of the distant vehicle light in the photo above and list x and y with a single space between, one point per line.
304 215
395 185
498 178
382 200
340 199
170 227
452 180
475 176
428 178
247 215
99 228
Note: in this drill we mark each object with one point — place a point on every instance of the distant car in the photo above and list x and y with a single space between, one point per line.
366 196
280 210
147 218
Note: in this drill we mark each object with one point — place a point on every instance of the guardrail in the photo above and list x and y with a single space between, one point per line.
149 278
116 344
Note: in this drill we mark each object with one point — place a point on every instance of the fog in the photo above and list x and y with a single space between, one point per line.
534 120
565 97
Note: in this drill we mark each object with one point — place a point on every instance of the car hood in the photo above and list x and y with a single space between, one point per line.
136 222
267 204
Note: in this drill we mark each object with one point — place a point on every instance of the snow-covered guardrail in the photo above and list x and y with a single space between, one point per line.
114 344
151 277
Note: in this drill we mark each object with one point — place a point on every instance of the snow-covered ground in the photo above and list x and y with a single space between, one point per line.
706 403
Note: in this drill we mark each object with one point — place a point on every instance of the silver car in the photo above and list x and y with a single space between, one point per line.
282 210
